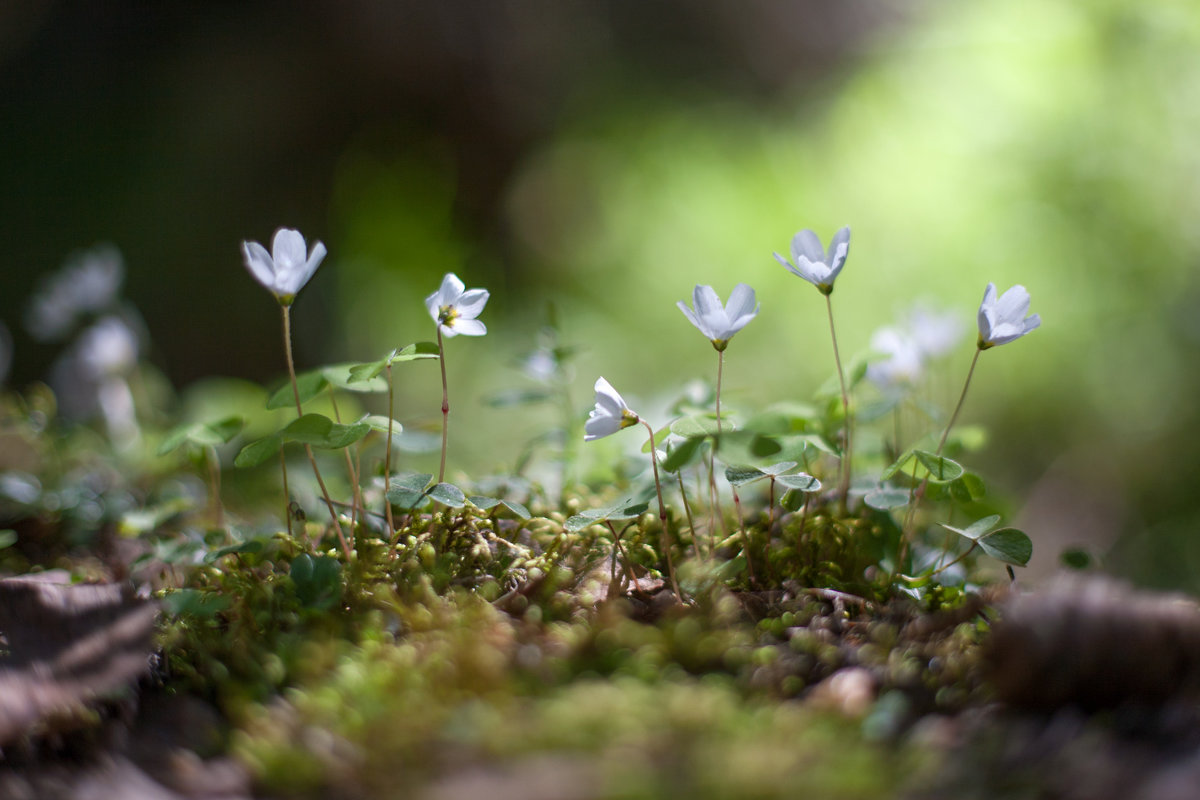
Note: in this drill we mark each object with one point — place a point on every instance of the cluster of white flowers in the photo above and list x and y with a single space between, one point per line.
906 350
455 310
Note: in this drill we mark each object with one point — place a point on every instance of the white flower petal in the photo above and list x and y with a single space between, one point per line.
608 399
691 316
1013 304
470 303
450 290
806 244
260 264
288 250
468 327
301 275
432 303
741 303
839 248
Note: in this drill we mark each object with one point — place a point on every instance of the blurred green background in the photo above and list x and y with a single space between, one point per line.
606 156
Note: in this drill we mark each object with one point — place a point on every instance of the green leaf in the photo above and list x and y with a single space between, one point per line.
976 529
408 491
8 537
972 484
317 580
780 468
448 495
368 370
378 422
318 430
682 454
201 434
886 497
344 435
517 508
250 546
896 466
578 522
941 469
483 503
1075 558
259 450
660 436
1008 545
195 603
690 427
308 385
801 482
417 351
739 475
793 500
308 429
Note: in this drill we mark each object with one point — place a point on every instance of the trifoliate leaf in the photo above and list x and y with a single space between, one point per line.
308 385
259 450
682 454
448 495
483 503
941 469
739 475
517 508
378 422
1008 545
886 497
690 427
801 482
201 434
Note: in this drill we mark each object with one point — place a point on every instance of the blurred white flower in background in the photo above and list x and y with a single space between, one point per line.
87 284
902 363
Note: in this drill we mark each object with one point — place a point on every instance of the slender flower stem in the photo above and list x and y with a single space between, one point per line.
720 370
687 508
917 496
216 508
445 404
662 513
737 504
844 489
287 496
387 460
961 398
351 472
287 347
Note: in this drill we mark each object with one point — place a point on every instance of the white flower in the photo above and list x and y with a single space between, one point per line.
903 363
108 348
816 265
610 414
1003 321
719 323
454 310
288 266
936 333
